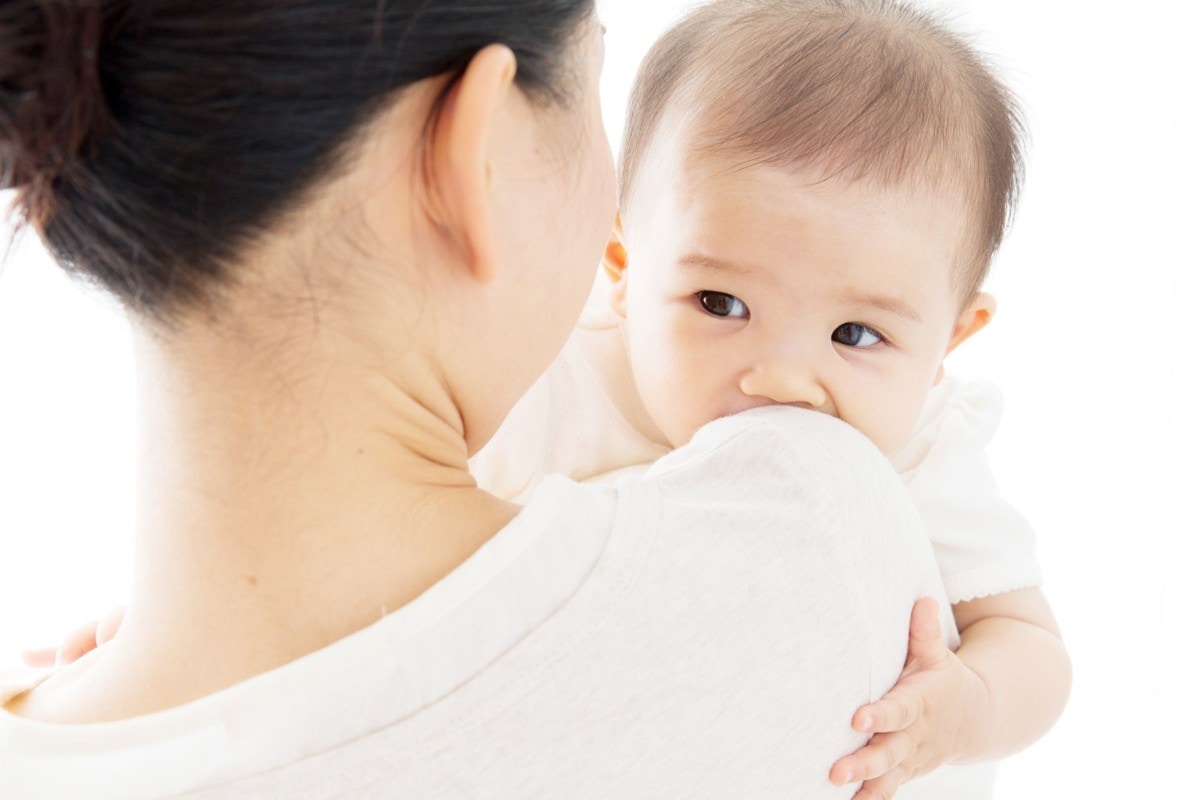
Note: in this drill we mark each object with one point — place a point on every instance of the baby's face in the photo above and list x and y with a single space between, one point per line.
758 286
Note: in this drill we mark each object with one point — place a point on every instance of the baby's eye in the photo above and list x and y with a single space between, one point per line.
720 304
852 334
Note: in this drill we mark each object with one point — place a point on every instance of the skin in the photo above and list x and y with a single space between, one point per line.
788 259
304 461
747 286
406 421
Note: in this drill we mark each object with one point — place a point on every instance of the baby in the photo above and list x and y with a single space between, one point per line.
811 194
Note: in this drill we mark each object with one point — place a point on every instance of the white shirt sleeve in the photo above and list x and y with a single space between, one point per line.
984 546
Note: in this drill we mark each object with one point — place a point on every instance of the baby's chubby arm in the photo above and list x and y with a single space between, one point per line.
1002 690
1008 681
1012 642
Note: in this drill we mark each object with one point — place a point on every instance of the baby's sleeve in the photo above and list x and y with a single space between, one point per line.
983 545
520 453
568 423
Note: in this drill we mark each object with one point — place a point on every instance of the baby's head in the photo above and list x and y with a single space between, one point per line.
811 193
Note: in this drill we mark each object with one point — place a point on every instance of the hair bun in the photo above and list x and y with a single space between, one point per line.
51 98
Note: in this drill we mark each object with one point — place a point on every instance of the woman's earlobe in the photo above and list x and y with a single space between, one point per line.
459 170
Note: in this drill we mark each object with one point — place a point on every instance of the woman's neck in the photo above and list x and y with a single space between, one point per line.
284 503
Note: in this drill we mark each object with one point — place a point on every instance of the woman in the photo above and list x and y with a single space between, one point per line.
349 236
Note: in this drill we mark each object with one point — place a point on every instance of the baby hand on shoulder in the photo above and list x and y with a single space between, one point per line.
927 719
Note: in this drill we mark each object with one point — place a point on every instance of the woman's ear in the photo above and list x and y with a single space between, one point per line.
458 171
973 318
615 262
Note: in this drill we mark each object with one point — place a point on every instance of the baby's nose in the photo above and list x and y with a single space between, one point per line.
786 383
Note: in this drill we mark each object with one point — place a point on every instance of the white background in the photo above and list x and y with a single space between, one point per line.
1091 346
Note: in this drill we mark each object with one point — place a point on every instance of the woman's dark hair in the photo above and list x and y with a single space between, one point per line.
151 140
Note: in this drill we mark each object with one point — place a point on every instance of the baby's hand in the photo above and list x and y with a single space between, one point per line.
79 642
929 718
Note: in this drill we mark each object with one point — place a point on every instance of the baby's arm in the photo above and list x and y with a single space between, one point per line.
1002 690
1007 682
1011 641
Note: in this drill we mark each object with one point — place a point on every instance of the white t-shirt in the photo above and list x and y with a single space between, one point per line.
705 629
575 421
984 546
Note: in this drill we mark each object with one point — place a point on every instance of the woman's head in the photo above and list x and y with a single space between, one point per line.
152 141
157 145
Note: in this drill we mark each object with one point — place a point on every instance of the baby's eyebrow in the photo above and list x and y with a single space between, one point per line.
716 264
893 305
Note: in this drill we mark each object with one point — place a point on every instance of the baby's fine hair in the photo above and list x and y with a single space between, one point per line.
863 89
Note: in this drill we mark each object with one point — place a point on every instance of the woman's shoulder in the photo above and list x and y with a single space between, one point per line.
781 430
776 454
789 509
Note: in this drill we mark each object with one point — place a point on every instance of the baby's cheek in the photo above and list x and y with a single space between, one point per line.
888 441
892 423
653 377
680 410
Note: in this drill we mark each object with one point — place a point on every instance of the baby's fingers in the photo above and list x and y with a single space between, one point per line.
79 642
925 645
881 788
881 755
898 709
39 659
109 626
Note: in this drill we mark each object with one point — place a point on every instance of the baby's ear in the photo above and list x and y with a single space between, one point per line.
615 262
977 314
973 318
